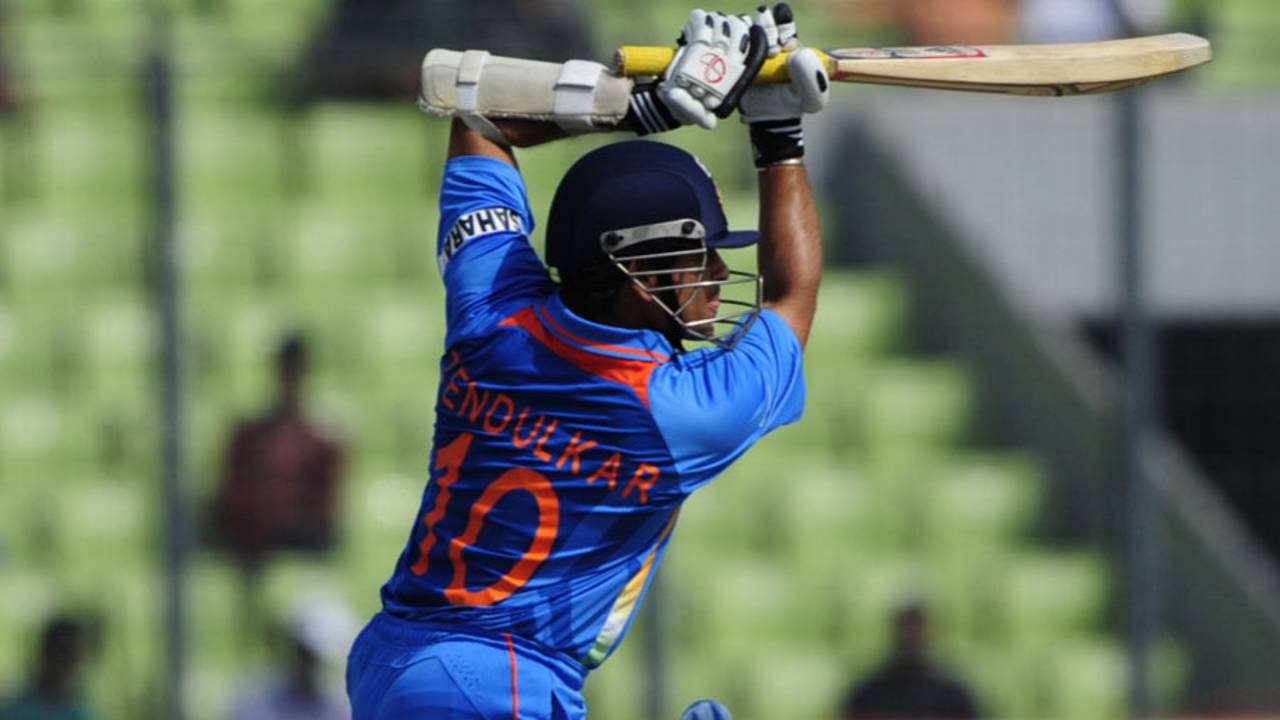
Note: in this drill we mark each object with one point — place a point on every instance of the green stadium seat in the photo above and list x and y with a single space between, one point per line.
1087 678
837 505
88 162
232 163
717 601
917 404
133 616
276 34
617 691
50 53
234 337
42 434
222 634
44 252
68 249
1056 592
835 407
120 334
28 596
16 132
368 157
724 514
323 246
795 684
379 512
103 519
37 328
982 499
292 579
697 675
859 315
1245 53
404 328
232 249
214 689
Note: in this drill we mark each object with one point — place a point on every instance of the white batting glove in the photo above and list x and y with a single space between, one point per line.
716 61
805 93
773 110
779 26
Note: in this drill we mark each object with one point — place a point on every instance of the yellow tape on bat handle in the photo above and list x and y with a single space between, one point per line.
638 60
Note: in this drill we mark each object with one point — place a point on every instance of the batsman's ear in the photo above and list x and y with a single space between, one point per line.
645 281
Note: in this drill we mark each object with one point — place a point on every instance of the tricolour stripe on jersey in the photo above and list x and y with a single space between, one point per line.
555 327
625 606
632 373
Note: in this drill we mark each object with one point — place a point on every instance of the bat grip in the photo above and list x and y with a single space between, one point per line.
643 61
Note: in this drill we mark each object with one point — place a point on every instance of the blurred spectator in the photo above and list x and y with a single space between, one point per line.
373 49
1050 21
909 684
54 693
948 22
315 637
280 476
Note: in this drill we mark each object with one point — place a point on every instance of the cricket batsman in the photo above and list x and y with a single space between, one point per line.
571 421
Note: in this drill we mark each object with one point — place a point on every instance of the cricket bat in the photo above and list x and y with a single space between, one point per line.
1041 70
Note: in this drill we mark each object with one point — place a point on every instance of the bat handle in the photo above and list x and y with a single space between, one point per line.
640 61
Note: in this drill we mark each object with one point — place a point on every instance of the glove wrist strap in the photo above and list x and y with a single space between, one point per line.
647 114
776 141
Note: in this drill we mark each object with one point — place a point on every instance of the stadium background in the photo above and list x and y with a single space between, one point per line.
924 468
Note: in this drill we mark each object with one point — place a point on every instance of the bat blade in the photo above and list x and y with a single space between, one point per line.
1046 70
1041 70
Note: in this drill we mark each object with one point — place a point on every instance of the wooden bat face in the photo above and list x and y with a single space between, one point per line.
1040 70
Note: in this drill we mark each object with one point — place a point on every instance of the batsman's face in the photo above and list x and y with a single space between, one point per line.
700 303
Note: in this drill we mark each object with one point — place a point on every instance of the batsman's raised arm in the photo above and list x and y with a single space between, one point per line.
515 133
790 248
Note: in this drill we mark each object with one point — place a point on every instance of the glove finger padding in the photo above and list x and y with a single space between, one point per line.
809 82
806 92
721 54
786 22
764 18
686 107
697 29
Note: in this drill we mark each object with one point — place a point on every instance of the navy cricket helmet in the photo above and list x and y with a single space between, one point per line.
644 200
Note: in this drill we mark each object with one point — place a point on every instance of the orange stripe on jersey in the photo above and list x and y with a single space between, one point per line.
632 373
545 317
515 688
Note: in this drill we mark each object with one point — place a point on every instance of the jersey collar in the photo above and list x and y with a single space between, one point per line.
608 340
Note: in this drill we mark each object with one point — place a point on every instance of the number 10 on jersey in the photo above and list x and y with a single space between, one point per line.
450 459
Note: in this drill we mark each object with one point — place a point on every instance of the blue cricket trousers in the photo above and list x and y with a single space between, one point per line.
403 669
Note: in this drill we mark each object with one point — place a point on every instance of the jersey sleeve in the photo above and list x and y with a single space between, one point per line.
483 247
712 405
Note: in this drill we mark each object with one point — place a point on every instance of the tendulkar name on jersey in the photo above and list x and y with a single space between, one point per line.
563 447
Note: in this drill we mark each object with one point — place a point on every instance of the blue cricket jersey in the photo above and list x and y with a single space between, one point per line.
563 448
